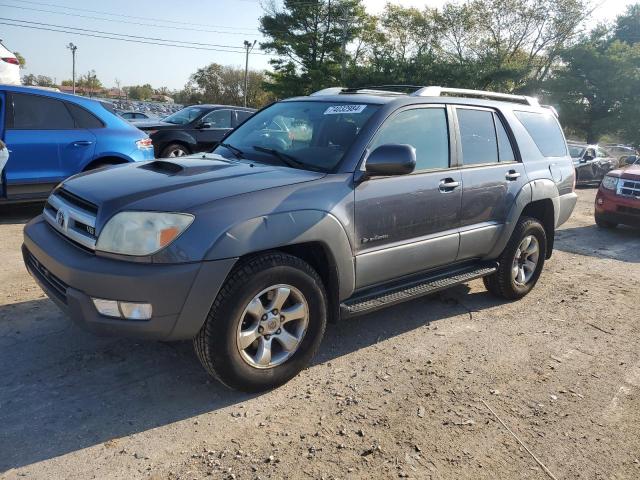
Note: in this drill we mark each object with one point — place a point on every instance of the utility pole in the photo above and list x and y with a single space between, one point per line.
73 49
248 46
343 66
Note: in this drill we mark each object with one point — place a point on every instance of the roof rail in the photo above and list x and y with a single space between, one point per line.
463 92
327 91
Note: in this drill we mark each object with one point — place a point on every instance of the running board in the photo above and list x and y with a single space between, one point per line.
382 297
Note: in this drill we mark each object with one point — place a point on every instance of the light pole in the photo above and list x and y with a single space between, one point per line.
73 49
248 47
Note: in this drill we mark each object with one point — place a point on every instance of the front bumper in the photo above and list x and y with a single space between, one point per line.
616 208
180 294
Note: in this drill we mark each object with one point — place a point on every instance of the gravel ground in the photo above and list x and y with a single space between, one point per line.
408 392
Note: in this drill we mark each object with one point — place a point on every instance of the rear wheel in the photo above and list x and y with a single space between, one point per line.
521 262
266 323
174 150
602 223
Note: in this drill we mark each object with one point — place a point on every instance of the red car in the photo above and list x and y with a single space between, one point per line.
618 198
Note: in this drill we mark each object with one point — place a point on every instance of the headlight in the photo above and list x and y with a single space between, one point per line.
142 233
609 182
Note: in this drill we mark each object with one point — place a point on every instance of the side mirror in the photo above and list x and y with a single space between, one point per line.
391 159
587 158
204 125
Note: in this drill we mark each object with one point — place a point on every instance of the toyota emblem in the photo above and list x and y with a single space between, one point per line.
60 218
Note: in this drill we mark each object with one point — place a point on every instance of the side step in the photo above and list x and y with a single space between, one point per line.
381 297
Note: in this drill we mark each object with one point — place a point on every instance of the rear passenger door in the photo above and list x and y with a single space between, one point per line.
491 178
405 224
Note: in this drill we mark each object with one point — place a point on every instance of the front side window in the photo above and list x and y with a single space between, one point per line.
34 112
576 152
310 134
478 136
218 119
425 129
545 132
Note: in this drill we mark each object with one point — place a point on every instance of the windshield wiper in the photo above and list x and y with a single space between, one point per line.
288 160
235 150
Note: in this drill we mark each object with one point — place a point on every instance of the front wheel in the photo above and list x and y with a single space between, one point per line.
266 323
174 150
521 262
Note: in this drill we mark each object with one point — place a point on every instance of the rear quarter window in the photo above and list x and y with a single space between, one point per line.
83 118
545 132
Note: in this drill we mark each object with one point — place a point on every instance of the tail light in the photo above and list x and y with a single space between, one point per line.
12 60
144 144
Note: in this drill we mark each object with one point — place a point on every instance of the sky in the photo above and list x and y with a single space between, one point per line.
222 25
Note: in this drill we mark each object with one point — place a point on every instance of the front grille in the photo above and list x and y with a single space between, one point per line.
56 286
629 210
629 188
72 217
75 200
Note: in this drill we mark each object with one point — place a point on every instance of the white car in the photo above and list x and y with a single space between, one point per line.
9 67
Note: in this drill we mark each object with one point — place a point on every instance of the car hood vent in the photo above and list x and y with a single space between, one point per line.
163 166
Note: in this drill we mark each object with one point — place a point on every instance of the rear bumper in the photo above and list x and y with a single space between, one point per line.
566 204
617 209
180 294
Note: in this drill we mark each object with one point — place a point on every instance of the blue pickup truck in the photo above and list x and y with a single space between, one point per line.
51 136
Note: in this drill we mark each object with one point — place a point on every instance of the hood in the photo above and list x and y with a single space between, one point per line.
632 172
178 185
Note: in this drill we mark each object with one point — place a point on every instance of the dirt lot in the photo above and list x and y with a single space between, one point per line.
401 393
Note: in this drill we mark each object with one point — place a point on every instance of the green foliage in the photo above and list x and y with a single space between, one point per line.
224 85
596 83
37 80
307 39
139 92
22 63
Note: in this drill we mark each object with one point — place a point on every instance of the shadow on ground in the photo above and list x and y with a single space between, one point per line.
622 243
19 213
63 389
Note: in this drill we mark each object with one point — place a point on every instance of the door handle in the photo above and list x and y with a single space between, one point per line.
448 185
512 175
82 143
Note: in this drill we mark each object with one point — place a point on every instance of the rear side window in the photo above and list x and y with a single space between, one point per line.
545 132
478 136
34 112
83 118
242 115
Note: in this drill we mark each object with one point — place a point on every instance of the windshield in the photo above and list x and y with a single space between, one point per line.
184 116
314 135
576 152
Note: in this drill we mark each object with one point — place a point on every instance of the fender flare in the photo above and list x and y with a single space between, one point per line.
272 231
535 190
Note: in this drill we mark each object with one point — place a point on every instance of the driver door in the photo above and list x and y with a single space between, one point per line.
212 128
405 224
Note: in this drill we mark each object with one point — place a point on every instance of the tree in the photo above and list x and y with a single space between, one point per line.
223 84
90 83
627 28
139 92
22 63
37 80
309 40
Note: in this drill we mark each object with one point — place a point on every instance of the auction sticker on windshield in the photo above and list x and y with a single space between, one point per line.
337 109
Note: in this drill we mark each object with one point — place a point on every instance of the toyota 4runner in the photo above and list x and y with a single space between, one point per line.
315 208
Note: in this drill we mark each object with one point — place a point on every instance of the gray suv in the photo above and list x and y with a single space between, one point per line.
315 208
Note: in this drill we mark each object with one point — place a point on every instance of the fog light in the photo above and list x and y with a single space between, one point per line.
600 201
108 308
135 311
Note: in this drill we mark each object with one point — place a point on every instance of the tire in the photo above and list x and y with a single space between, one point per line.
174 150
504 282
606 224
217 345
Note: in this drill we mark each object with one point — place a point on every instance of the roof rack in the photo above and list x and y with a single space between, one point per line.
464 92
433 91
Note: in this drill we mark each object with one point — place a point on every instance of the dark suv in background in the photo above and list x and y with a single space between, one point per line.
317 207
193 129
